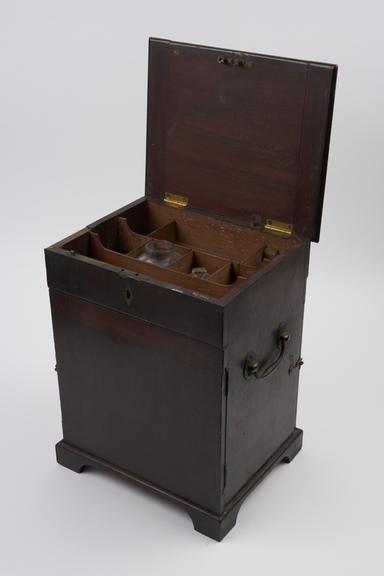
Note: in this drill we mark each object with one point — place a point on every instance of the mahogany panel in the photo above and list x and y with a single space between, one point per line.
247 140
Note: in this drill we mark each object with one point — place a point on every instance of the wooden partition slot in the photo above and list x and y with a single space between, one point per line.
166 232
128 239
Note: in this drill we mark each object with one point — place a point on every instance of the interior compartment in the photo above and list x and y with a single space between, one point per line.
211 256
194 260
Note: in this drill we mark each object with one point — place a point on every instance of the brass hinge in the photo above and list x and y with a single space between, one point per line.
176 201
278 227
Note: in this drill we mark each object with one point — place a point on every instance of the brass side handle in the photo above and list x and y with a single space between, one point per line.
252 367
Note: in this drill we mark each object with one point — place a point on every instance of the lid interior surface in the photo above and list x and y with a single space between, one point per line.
241 135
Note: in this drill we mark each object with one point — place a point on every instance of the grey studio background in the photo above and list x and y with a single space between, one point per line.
72 142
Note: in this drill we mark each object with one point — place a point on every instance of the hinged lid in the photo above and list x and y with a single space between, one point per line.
242 135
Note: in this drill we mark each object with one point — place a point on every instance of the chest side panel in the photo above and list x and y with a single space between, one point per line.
144 398
261 413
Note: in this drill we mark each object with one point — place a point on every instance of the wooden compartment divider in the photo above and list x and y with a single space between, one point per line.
229 253
225 275
128 240
197 259
166 232
167 275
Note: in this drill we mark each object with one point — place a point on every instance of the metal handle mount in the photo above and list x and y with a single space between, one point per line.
251 367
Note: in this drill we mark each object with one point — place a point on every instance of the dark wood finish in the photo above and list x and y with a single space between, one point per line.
199 241
241 141
261 414
212 525
140 396
231 253
152 300
188 386
167 402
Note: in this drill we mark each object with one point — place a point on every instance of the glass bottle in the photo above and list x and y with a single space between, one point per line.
159 252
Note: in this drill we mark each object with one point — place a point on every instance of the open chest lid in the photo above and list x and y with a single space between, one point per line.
241 135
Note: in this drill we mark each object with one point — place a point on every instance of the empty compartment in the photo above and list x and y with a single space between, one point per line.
228 274
127 239
166 232
233 273
100 252
144 217
116 234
